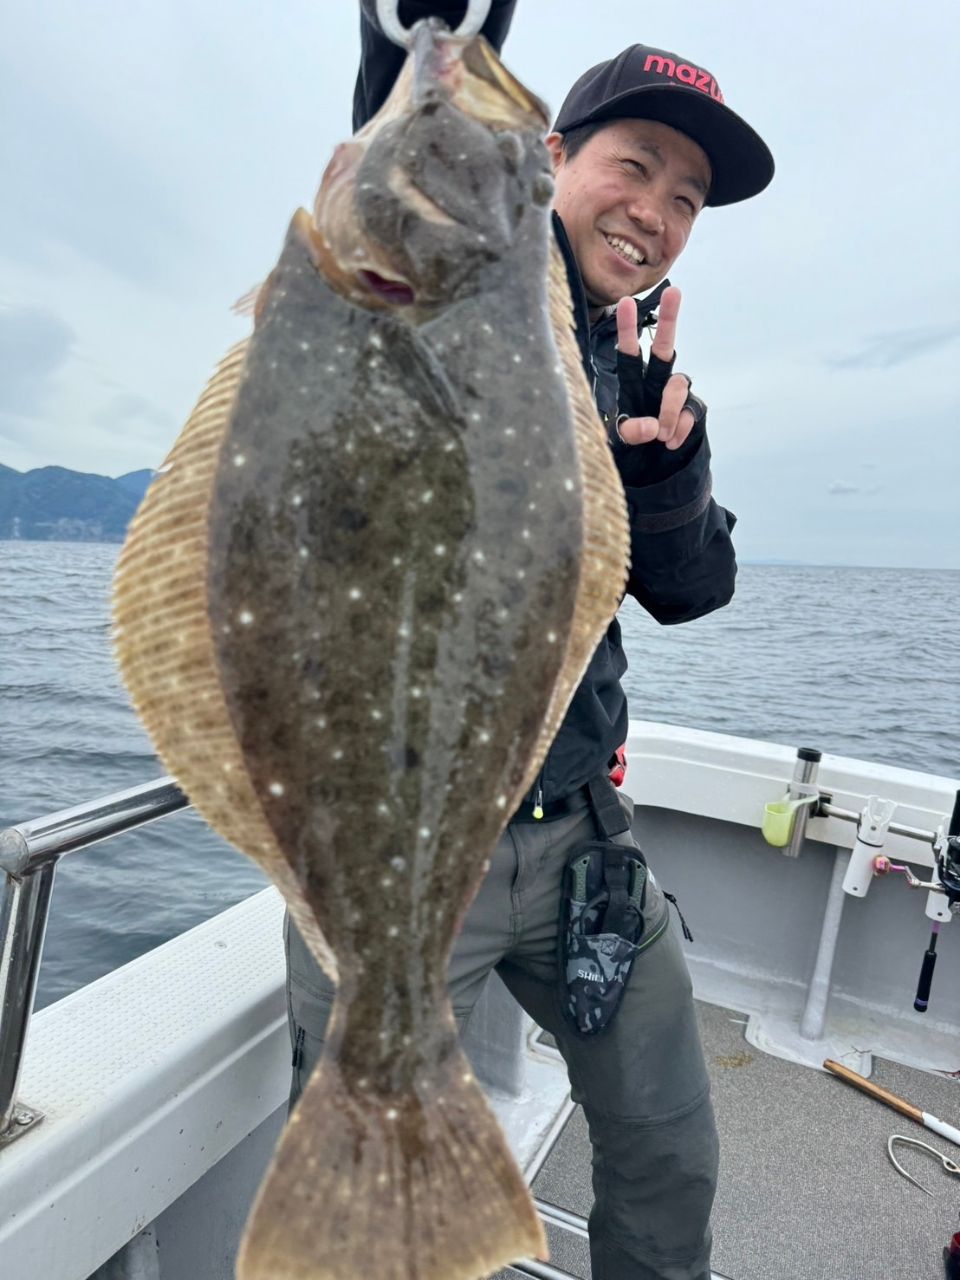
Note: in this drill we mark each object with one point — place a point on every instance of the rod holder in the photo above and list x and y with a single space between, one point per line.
803 788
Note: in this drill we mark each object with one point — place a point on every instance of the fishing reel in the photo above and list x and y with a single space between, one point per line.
946 849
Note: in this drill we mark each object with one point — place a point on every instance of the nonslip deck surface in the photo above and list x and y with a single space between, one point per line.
806 1190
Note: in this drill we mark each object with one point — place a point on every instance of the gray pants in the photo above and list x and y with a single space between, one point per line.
642 1084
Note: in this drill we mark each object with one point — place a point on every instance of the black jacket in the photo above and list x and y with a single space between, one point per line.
682 558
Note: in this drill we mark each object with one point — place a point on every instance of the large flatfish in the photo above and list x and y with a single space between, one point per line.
352 611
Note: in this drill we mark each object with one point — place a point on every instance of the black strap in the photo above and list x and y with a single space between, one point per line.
616 876
606 807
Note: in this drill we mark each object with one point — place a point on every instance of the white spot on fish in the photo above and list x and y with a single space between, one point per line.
517 358
321 722
376 341
467 1077
336 753
340 350
476 417
483 736
376 715
416 691
227 767
449 446
426 496
382 1178
524 533
276 788
509 431
296 500
403 631
569 485
398 864
501 802
355 593
239 459
457 597
331 368
245 617
439 549
393 931
383 809
551 637
397 562
479 557
273 364
304 346
424 833
303 553
386 882
521 574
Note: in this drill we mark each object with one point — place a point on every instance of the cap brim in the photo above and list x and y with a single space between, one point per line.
740 161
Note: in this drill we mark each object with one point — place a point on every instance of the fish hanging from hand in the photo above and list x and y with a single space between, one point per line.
351 612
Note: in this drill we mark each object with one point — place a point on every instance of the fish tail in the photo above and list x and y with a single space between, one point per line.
417 1187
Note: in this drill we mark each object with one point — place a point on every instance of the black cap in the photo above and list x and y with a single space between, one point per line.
653 84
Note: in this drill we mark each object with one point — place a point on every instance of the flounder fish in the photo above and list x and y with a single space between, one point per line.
351 612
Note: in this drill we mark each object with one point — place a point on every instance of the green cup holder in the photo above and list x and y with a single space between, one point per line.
780 819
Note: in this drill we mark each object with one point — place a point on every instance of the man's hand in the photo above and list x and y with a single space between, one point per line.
659 398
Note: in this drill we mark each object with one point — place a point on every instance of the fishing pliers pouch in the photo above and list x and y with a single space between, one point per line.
601 924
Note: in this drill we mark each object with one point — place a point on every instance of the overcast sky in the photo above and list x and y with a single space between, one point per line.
152 151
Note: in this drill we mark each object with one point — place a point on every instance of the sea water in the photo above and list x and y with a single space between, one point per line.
861 662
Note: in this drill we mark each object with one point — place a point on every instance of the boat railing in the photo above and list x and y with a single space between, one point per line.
29 854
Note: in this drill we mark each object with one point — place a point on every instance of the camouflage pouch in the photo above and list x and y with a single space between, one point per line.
601 931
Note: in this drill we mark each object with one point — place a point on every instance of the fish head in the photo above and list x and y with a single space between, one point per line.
437 186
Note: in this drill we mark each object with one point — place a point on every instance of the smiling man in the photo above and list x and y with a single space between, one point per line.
641 145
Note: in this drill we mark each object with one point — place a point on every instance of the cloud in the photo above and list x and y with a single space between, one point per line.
80 187
840 488
890 349
129 410
34 346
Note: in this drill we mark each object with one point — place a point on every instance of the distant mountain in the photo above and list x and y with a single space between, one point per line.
53 504
136 482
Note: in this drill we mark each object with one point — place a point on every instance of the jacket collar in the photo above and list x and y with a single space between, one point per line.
588 338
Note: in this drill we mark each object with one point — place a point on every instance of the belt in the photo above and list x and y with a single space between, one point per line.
574 802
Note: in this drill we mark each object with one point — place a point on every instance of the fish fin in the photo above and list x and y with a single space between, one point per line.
165 651
420 1188
605 558
247 305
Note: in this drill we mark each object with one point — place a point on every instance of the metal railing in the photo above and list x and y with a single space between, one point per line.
29 854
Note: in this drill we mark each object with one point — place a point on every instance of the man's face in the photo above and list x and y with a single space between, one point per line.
628 200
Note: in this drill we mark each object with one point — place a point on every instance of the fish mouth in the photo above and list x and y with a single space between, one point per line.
395 292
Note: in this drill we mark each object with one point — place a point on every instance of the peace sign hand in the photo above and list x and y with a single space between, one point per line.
655 403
